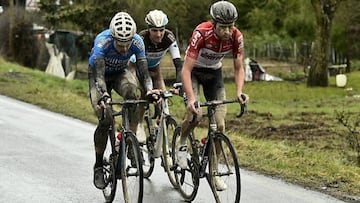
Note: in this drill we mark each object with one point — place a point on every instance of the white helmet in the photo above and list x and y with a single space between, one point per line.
156 18
123 27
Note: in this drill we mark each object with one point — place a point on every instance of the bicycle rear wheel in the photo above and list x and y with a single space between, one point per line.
110 161
187 179
167 154
147 149
224 170
132 173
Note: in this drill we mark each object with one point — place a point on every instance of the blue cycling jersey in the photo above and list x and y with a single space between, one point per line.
114 61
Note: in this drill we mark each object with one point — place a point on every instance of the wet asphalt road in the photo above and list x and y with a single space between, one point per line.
48 157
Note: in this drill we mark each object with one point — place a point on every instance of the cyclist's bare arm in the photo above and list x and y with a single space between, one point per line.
188 66
239 76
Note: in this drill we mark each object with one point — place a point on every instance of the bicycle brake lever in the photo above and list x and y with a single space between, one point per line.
243 107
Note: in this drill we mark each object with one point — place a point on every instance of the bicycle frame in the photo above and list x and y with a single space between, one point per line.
159 133
119 167
217 153
212 128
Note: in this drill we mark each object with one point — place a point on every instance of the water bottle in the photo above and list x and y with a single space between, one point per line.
201 145
118 137
203 141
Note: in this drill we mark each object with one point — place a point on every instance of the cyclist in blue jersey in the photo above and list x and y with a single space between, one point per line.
158 41
108 69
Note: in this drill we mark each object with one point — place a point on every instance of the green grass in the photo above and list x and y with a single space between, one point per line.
319 158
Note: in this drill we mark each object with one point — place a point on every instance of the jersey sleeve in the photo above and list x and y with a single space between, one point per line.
238 48
99 49
172 44
196 43
139 47
174 50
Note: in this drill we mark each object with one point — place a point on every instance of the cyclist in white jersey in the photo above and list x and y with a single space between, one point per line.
158 41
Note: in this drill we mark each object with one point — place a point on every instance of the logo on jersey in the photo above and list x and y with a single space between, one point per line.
195 39
115 65
138 44
155 54
104 43
213 57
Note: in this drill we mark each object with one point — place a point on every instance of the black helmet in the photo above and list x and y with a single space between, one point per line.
223 12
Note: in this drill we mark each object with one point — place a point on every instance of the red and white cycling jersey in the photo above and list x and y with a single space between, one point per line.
208 50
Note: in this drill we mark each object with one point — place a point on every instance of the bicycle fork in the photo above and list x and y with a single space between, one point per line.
159 137
160 133
119 157
205 158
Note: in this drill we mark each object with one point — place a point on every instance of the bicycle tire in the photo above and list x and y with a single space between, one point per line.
131 171
147 150
224 167
188 179
167 154
110 174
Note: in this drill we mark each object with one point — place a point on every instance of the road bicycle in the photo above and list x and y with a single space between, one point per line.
213 158
122 157
159 128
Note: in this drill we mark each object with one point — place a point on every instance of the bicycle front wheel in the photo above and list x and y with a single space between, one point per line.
167 153
224 170
110 160
132 173
187 179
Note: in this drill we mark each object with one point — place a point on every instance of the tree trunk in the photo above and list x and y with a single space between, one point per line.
318 73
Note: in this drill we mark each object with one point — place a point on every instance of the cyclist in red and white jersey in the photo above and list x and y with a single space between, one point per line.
209 44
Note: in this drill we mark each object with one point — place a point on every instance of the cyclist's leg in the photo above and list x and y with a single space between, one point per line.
157 78
126 86
158 83
214 90
100 134
186 127
220 110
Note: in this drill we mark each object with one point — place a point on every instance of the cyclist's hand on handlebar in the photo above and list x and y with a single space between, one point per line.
194 111
103 101
153 95
193 107
175 91
243 98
